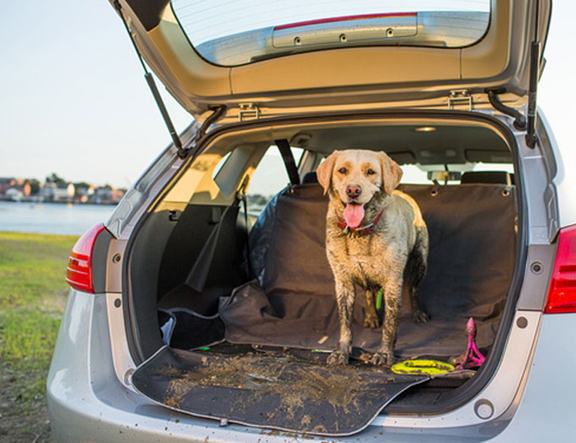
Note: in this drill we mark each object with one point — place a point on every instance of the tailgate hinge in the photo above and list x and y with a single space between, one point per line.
460 96
217 112
519 119
248 111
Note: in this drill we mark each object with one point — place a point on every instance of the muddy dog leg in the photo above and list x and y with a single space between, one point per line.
416 270
345 296
370 315
392 298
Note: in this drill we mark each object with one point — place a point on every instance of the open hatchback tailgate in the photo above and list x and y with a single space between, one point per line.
344 74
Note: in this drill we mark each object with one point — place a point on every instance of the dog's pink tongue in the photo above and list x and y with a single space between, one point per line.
353 214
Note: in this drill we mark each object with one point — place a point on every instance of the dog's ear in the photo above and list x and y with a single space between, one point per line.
324 171
391 172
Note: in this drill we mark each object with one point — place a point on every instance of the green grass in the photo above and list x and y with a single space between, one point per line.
32 268
32 298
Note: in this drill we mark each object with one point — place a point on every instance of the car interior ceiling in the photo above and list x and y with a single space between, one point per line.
193 261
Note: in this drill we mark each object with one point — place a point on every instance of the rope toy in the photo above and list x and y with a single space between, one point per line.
471 357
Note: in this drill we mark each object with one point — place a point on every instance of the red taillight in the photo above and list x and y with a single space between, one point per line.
79 273
562 295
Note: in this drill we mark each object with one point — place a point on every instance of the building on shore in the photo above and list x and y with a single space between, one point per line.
16 189
62 193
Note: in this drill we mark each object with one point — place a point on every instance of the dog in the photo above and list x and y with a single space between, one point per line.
375 238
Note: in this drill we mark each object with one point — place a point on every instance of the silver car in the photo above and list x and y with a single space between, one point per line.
203 309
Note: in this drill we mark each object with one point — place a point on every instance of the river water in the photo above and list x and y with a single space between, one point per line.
51 218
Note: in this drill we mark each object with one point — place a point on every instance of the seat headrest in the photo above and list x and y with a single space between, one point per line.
490 177
310 177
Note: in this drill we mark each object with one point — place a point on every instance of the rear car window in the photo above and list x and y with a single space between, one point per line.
269 178
230 33
452 174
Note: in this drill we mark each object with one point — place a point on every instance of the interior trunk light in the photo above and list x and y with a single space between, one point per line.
79 272
562 295
425 129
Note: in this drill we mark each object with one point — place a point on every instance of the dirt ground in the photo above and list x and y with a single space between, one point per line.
21 420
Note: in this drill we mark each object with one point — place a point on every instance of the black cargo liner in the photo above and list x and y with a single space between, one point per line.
294 391
291 303
494 235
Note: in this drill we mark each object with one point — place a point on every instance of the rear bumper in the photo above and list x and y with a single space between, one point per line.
546 408
87 401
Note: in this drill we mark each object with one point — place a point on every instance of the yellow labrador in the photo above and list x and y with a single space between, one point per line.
375 238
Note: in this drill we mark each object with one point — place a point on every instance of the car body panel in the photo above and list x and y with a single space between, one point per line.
546 408
564 181
358 74
88 399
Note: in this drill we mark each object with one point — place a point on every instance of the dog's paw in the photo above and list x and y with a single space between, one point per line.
338 358
420 317
371 322
382 358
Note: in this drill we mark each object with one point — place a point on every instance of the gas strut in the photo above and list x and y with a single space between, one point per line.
531 137
152 85
520 122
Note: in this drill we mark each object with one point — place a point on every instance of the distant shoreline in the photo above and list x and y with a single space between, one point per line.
42 202
52 217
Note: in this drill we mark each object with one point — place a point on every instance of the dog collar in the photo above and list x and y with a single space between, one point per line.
361 230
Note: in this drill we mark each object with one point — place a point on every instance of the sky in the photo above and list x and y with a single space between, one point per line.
73 99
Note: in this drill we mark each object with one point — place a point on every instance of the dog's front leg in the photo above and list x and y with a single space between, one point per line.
345 296
392 297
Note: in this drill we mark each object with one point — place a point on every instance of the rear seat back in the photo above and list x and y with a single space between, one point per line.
488 177
472 241
288 249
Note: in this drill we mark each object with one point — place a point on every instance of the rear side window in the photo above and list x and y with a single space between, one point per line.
452 174
269 178
234 33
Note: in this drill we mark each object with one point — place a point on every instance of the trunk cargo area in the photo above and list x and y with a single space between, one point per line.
247 343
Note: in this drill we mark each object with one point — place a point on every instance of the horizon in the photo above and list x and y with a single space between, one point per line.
46 181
